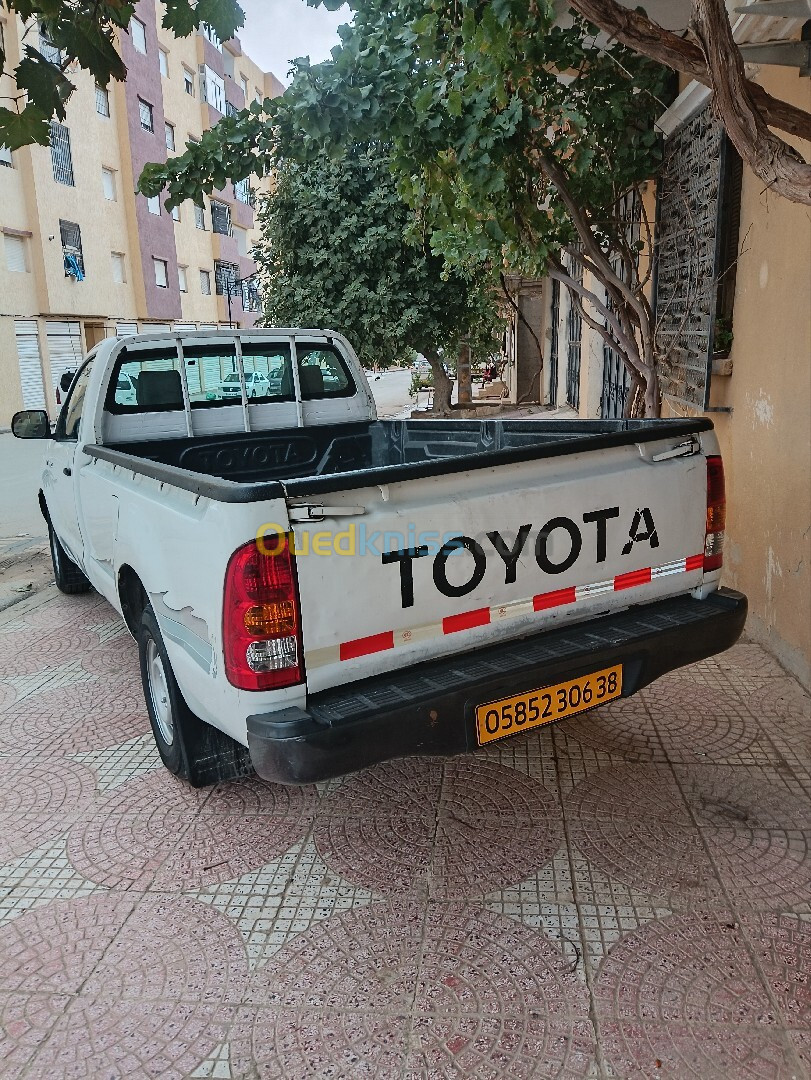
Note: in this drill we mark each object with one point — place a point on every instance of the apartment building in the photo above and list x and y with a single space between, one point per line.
82 257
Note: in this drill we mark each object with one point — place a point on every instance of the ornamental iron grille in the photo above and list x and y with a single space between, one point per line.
616 377
574 335
698 165
250 295
221 218
226 278
554 348
61 157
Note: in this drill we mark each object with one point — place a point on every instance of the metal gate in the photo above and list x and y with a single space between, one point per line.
555 343
616 377
30 361
574 335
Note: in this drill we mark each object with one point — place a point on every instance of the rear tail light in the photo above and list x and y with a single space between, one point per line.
262 619
716 515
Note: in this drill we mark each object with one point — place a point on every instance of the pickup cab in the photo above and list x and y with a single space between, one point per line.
313 590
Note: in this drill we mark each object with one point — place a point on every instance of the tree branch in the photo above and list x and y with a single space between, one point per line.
638 32
777 164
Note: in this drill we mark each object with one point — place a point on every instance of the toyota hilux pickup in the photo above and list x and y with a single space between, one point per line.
313 590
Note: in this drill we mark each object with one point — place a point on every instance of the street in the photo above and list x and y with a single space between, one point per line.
390 389
623 894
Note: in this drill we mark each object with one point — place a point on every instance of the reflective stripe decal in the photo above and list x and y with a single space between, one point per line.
454 623
351 650
636 577
468 620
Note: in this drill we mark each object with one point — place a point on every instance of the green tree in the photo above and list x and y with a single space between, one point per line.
83 33
513 139
338 250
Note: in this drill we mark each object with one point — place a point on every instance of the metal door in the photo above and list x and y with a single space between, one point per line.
555 344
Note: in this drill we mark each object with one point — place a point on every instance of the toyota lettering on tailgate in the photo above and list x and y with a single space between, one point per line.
506 551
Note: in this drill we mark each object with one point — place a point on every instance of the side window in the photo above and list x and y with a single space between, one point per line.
323 373
146 381
68 427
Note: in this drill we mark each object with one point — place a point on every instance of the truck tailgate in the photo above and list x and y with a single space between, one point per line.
402 573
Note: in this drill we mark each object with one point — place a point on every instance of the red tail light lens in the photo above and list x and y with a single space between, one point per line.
262 618
716 515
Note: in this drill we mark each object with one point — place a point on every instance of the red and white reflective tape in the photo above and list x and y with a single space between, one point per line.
468 620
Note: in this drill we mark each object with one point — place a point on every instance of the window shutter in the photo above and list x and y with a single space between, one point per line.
15 254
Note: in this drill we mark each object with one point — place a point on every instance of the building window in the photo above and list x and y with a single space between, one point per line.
208 31
220 218
73 259
138 35
51 53
200 217
108 184
163 62
146 116
258 95
250 294
243 82
205 282
175 213
5 157
102 101
213 89
119 267
161 273
188 81
61 157
241 237
170 136
243 192
16 258
226 276
154 205
182 280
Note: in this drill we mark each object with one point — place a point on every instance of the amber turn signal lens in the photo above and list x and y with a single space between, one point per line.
271 620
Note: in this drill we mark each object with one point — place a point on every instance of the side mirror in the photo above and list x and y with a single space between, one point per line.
66 381
31 424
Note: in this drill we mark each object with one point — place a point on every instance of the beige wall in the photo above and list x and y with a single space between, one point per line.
766 439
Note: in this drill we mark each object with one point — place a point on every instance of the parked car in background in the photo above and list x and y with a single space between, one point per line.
257 385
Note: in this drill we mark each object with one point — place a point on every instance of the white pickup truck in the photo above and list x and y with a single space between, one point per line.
313 590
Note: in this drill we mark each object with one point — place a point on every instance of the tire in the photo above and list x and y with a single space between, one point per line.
189 748
69 578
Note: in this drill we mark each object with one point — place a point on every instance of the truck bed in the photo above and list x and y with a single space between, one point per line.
307 461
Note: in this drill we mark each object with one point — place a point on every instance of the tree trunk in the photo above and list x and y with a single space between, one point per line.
636 31
443 386
776 163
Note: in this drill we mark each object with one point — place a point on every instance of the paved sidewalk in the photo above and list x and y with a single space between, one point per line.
627 894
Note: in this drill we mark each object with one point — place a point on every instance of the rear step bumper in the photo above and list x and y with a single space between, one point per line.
429 709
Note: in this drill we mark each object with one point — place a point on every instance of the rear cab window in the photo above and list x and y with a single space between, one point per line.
150 380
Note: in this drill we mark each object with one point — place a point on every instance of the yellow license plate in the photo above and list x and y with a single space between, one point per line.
509 716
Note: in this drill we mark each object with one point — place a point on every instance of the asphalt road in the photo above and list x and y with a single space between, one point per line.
20 462
390 389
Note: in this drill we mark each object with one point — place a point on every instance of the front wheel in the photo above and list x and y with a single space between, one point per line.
189 748
67 575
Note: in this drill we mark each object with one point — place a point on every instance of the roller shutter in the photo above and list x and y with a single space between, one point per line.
64 351
30 361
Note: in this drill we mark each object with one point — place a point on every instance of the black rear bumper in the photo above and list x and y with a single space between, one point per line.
429 709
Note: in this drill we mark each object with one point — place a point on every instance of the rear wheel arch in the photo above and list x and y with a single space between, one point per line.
133 598
43 506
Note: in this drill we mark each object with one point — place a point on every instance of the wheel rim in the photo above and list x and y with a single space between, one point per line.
159 693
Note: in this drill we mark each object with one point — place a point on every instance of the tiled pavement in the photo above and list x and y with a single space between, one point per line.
627 894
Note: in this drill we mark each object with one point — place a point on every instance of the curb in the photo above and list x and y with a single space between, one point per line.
28 603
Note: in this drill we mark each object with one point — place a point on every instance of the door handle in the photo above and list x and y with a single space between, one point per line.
68 472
